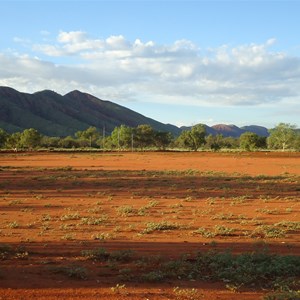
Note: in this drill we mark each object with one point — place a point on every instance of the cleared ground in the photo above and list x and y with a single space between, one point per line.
133 225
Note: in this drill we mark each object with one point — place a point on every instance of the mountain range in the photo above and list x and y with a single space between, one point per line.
55 115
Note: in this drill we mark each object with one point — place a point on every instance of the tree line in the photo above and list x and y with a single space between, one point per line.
282 137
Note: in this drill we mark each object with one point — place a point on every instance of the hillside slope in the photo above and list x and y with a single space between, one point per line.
56 115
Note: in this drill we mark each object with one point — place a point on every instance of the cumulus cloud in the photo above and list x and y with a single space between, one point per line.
183 72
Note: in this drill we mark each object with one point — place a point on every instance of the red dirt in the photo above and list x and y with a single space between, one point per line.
45 199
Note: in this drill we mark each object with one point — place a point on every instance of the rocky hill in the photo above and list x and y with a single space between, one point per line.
55 115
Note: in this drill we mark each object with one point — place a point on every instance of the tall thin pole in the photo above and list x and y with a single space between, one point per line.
118 139
103 139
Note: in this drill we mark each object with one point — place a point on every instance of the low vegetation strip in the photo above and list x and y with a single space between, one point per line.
256 269
144 137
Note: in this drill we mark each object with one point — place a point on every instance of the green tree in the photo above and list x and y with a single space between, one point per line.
297 142
88 137
68 142
106 143
3 137
143 136
230 142
184 140
194 138
50 141
249 141
30 138
162 139
122 137
214 142
13 141
282 137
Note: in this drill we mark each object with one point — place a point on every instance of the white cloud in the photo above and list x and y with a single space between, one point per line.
117 69
72 37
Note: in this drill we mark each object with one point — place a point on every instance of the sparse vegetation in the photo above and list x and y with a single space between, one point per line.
72 271
142 227
160 226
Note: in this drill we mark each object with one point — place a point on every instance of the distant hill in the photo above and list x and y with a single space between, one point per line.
259 130
55 115
232 130
228 130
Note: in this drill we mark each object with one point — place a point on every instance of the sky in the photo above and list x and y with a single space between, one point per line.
179 62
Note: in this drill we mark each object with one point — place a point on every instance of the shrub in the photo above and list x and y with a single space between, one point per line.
152 226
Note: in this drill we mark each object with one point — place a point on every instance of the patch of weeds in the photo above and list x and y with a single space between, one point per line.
23 255
191 172
204 232
268 231
122 255
179 268
66 168
234 287
66 226
99 254
274 211
15 202
188 199
153 276
72 271
211 200
117 228
6 252
125 274
13 225
289 210
46 218
289 225
26 209
119 289
68 237
45 227
39 197
218 230
258 268
103 236
239 200
142 211
223 216
152 203
93 220
94 210
187 294
213 244
161 226
177 205
68 217
288 295
131 227
126 211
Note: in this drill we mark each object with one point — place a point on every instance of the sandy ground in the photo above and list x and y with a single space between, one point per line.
54 205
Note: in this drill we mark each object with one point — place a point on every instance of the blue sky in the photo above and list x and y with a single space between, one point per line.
179 62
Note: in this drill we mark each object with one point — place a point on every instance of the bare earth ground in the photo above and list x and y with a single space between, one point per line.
53 206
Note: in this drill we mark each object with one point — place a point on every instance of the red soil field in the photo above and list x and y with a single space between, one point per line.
159 205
